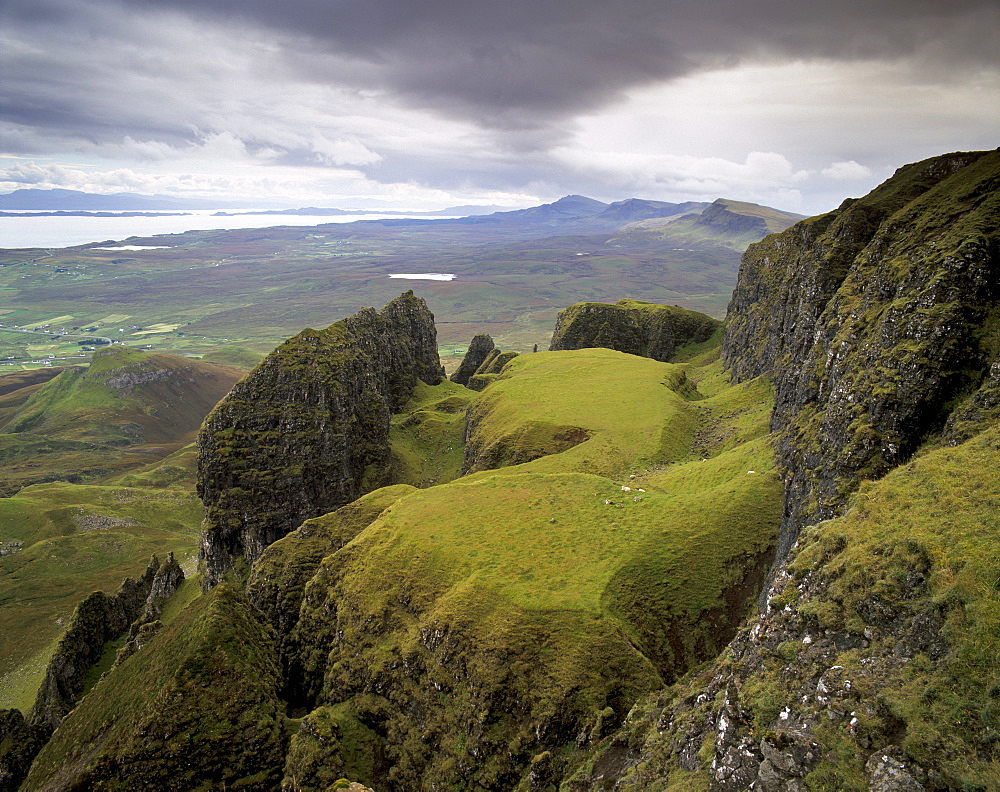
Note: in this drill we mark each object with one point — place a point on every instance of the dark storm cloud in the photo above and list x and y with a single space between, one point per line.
510 62
515 64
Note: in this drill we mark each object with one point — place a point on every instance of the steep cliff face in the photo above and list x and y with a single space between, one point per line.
872 667
306 431
196 709
100 618
874 322
632 326
719 216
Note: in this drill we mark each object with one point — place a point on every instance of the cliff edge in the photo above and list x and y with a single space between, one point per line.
632 326
875 324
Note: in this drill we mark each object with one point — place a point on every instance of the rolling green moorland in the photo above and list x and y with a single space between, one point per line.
764 560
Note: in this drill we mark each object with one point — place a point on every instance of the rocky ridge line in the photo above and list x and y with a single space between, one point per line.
98 618
872 321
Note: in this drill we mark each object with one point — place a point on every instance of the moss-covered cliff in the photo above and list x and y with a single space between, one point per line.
481 346
872 667
875 323
579 611
98 619
306 431
197 709
632 326
487 632
873 662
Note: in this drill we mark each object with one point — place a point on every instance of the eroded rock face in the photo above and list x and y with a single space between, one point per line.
97 619
480 347
306 431
870 321
637 328
877 325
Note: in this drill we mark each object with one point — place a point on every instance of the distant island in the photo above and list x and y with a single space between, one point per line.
311 211
75 202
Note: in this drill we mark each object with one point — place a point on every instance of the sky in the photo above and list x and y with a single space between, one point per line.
424 104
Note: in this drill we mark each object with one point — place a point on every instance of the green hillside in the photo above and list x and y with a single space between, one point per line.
99 476
768 565
67 540
529 572
123 411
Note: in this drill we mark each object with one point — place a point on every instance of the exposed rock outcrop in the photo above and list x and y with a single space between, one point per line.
719 217
197 709
480 347
306 431
865 670
489 369
872 321
632 326
97 619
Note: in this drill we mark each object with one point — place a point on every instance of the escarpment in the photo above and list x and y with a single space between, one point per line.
871 666
306 431
99 618
874 323
632 326
575 604
870 663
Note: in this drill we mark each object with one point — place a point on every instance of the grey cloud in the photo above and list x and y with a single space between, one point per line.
519 63
81 74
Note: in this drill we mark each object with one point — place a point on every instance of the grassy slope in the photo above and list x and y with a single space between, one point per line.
70 539
126 397
552 563
427 436
205 689
527 573
81 538
627 404
913 560
127 408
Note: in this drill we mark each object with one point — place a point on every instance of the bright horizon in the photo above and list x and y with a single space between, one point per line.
392 105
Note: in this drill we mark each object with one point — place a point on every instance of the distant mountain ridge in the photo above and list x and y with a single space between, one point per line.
569 209
45 200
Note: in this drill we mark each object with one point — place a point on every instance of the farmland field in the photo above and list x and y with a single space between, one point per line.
240 292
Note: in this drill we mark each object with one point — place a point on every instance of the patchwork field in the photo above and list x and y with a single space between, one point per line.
249 289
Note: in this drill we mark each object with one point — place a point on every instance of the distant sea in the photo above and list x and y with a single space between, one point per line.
59 232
